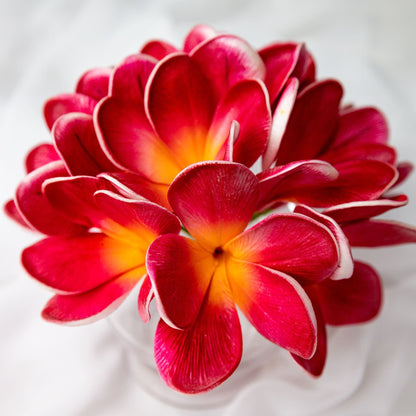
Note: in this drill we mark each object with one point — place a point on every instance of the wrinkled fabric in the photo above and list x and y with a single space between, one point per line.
46 45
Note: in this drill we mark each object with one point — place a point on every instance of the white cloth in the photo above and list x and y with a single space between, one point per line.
46 45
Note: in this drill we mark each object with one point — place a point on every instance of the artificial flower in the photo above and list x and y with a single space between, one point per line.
92 272
198 282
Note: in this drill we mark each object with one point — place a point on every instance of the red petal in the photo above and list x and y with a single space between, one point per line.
379 233
305 68
73 198
226 60
353 300
363 125
291 243
214 200
94 83
315 365
361 210
312 122
129 79
13 213
67 103
361 151
79 264
197 35
36 209
181 272
88 307
146 294
346 265
404 169
138 222
292 182
246 103
280 119
39 156
136 186
280 60
350 186
158 49
201 357
275 304
130 142
229 144
76 141
181 107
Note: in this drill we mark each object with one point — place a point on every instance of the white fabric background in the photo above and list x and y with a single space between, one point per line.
44 47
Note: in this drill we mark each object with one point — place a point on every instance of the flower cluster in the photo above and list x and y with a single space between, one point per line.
151 178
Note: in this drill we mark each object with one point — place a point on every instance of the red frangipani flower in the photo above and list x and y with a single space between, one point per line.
198 282
92 272
166 139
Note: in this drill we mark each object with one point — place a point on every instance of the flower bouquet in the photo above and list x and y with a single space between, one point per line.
221 180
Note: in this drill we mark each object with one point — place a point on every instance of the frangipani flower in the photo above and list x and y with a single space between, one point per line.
160 117
198 282
312 125
92 272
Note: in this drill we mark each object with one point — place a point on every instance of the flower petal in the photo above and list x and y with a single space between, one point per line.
361 210
226 60
229 144
129 79
181 106
181 271
353 300
292 182
361 151
158 49
39 156
76 141
315 365
214 200
13 213
137 222
197 35
88 307
36 209
275 304
135 186
55 107
94 83
146 294
379 233
201 357
73 198
247 103
312 122
404 169
346 264
362 125
130 142
280 119
291 243
79 264
280 60
350 186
